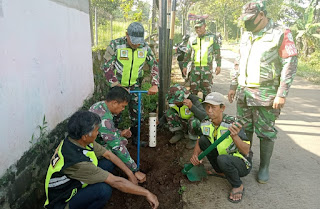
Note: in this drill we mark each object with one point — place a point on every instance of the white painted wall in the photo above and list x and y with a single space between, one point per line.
45 69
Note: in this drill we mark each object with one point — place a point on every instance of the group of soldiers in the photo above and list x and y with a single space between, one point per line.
79 174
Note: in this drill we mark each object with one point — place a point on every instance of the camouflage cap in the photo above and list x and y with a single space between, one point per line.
200 22
250 9
177 93
214 98
136 33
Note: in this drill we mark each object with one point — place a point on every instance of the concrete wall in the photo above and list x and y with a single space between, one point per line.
45 68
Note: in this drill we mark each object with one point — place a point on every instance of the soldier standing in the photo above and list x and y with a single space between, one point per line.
123 66
262 77
201 52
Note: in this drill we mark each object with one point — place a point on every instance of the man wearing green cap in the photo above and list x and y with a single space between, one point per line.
123 66
185 111
201 52
262 77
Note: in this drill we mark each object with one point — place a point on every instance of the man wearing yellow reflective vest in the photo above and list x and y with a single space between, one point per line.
78 174
230 159
125 58
203 50
185 113
262 77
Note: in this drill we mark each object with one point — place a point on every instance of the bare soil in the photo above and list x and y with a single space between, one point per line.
161 164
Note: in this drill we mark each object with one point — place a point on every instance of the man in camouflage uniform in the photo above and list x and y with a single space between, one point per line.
113 138
185 111
124 61
200 58
262 77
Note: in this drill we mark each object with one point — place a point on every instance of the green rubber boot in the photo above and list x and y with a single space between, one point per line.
177 136
266 149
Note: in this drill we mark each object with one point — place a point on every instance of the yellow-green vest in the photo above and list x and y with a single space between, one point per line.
201 48
184 111
57 163
250 67
207 129
131 61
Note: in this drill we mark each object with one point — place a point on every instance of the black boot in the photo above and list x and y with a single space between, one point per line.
134 137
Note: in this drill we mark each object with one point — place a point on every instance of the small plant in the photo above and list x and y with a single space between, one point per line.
41 142
182 189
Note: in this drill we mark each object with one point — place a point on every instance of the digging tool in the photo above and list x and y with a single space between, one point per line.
196 173
139 92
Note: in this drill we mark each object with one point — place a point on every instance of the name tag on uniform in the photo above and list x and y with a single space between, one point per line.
140 54
187 111
206 131
207 39
124 54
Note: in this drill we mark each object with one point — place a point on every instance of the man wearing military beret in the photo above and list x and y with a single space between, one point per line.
262 77
203 50
185 111
123 66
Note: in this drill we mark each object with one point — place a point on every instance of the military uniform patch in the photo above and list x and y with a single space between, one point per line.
287 48
206 131
140 54
207 39
187 111
123 53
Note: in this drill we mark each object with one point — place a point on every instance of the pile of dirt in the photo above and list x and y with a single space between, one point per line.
161 164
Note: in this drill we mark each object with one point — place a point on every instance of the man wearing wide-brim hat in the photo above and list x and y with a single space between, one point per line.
262 77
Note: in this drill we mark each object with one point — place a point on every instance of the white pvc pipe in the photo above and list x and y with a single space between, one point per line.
152 129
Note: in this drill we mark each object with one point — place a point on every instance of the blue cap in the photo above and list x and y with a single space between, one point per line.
136 33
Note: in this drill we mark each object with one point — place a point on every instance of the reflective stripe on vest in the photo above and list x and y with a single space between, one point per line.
184 112
131 62
201 50
55 166
250 66
208 129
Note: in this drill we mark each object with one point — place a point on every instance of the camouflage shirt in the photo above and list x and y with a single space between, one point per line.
213 51
278 66
111 60
111 135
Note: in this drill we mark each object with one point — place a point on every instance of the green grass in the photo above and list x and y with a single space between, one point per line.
308 71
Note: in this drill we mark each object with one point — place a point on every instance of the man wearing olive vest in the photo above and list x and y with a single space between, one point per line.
230 159
185 113
262 77
79 171
203 50
123 66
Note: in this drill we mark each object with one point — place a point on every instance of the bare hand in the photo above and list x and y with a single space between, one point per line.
153 200
153 90
218 70
231 95
278 102
126 133
140 176
184 71
133 179
194 160
235 129
188 103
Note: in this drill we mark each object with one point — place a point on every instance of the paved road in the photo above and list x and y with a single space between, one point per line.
295 165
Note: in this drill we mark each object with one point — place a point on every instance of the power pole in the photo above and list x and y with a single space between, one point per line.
163 56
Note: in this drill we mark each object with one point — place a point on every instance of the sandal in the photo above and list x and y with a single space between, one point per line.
233 193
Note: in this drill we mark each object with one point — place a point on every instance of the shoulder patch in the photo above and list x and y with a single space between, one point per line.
287 48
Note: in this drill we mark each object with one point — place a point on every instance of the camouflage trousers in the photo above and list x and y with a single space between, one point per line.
118 147
176 123
132 107
258 119
201 80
